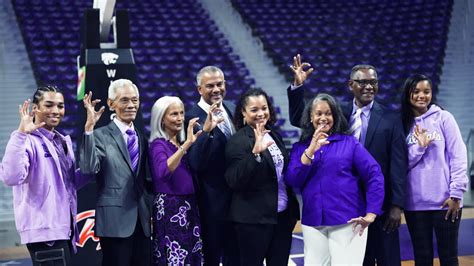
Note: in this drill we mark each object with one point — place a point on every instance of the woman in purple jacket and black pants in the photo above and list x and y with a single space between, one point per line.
329 166
39 164
437 164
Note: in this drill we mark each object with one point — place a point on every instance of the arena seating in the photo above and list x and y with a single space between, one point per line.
399 38
171 41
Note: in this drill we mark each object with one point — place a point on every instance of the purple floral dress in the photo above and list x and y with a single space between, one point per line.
176 226
176 230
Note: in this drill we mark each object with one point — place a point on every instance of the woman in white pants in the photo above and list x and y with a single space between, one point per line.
329 166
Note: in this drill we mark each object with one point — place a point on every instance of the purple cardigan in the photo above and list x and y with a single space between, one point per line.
330 185
43 199
179 182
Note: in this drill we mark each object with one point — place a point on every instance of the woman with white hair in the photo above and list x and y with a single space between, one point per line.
176 227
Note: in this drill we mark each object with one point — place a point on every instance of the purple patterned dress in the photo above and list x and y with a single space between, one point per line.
176 226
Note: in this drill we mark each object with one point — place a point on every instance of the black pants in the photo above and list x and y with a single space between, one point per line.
134 250
265 241
59 254
382 247
219 242
421 225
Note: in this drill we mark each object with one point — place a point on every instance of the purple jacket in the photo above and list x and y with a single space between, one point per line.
43 199
330 185
438 171
179 182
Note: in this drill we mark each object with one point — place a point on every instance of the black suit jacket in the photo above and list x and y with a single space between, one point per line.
207 161
122 196
384 140
254 184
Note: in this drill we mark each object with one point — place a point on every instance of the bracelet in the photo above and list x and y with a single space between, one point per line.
307 156
181 148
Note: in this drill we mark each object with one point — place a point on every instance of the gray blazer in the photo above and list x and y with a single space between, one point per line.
121 193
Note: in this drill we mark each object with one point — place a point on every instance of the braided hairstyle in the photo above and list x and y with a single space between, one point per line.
40 91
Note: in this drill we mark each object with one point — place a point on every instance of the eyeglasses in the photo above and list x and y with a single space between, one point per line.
365 82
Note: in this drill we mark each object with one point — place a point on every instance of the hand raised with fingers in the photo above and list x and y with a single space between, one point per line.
26 118
421 136
191 136
260 145
319 139
300 75
213 118
92 115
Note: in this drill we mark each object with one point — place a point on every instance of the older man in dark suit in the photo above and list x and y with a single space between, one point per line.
381 132
117 155
207 160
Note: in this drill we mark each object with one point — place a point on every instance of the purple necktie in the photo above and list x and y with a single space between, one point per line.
132 145
356 124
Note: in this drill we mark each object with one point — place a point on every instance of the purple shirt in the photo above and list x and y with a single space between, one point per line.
330 185
279 162
179 182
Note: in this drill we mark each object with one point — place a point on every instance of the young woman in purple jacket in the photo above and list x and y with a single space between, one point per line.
329 166
39 164
437 163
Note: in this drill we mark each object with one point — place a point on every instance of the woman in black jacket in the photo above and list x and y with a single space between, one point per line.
263 209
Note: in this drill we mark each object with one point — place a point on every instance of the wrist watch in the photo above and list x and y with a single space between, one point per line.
258 158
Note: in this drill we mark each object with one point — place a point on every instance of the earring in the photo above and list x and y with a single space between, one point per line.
244 122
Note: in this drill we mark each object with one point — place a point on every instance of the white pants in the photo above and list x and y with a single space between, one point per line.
333 245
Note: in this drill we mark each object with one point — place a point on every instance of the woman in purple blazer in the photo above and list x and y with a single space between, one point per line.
329 166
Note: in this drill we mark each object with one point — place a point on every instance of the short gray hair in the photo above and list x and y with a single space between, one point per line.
120 83
207 69
157 113
359 67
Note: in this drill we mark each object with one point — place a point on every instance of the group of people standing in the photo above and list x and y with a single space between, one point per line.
216 183
413 161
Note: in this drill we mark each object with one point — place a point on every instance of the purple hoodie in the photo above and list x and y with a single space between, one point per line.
43 199
438 171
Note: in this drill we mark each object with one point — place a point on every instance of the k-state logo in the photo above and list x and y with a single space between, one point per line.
109 58
87 231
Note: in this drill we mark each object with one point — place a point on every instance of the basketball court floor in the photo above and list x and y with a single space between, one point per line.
19 255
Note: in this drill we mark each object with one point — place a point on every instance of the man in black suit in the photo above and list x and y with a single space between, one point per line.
207 161
381 132
117 155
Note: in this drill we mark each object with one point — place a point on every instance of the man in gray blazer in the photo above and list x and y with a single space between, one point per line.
117 155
